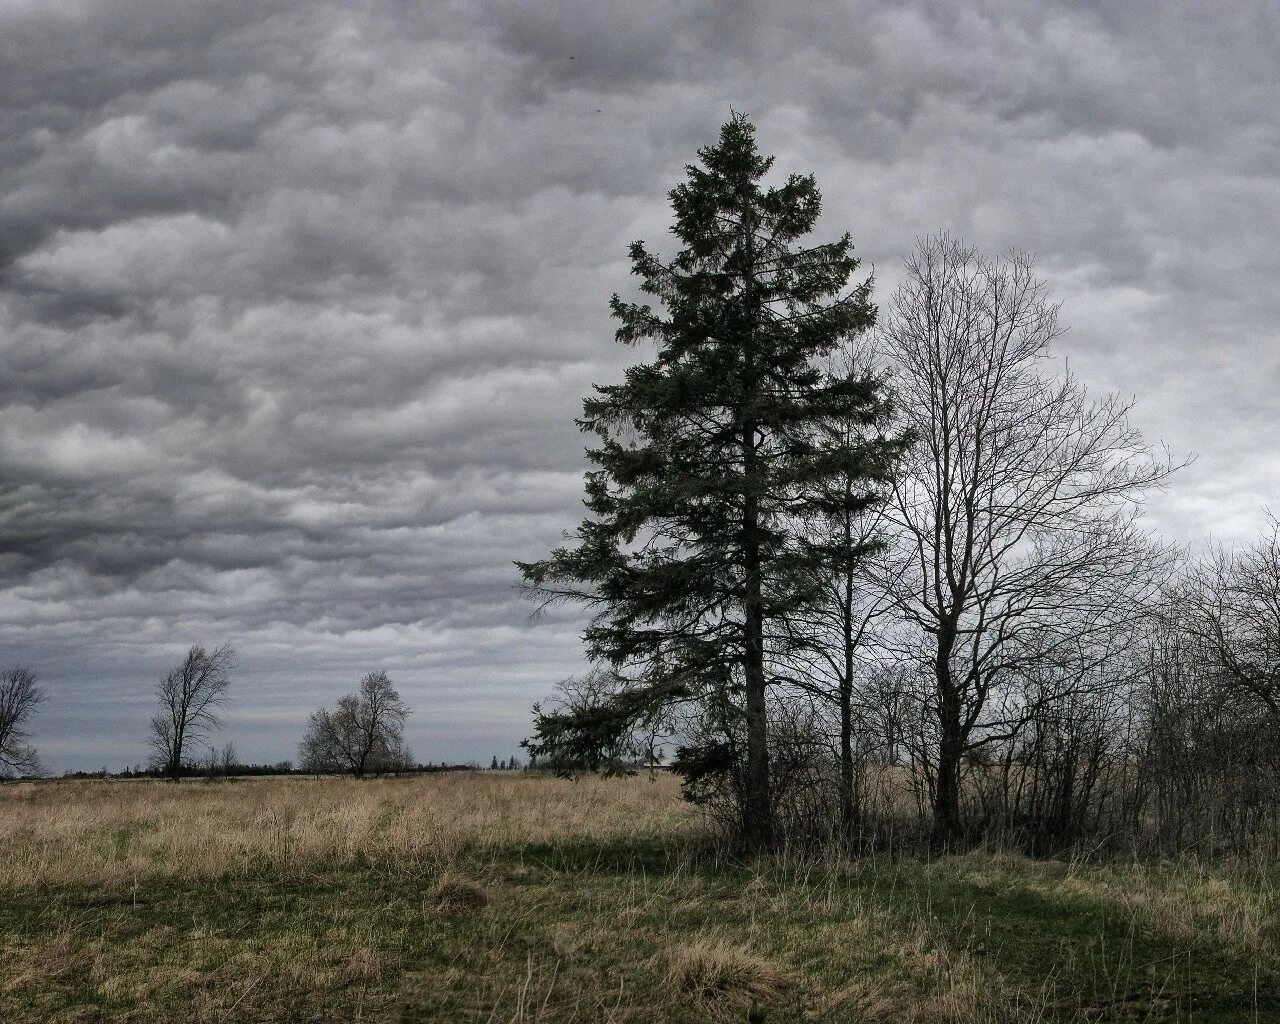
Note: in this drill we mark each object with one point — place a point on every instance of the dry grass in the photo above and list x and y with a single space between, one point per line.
498 898
1190 899
459 895
728 980
92 833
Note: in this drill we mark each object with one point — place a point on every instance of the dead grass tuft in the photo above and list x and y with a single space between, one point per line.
727 979
457 895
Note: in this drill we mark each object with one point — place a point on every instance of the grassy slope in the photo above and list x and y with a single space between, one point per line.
501 898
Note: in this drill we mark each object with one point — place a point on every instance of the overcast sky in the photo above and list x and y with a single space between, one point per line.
298 299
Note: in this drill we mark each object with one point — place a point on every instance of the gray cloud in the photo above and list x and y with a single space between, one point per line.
298 300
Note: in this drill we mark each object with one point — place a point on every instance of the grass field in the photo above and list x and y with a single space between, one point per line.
494 897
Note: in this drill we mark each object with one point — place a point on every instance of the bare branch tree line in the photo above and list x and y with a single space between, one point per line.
362 735
1003 652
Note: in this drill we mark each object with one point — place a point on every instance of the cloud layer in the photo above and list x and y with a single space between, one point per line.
298 300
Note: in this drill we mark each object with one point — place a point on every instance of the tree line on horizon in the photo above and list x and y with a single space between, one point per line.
361 735
882 574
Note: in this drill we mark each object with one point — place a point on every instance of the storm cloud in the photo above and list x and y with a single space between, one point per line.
298 299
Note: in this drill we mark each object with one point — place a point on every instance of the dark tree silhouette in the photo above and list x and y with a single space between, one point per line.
20 696
363 734
192 697
692 558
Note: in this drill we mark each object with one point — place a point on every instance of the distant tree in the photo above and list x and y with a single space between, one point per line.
493 765
191 696
691 557
363 734
20 696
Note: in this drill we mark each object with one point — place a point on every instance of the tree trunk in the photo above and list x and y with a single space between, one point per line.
946 797
848 807
757 803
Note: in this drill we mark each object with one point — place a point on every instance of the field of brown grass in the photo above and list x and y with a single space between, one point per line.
138 831
515 898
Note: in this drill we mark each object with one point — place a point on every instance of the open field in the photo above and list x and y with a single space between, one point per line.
495 897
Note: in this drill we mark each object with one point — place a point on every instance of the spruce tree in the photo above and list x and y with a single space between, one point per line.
693 556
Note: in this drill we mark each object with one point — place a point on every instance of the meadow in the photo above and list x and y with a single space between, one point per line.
512 897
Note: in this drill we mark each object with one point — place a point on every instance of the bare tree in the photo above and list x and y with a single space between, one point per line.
20 696
1017 500
1231 606
192 697
362 734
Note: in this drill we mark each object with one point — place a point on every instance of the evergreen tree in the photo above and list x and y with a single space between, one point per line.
692 557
